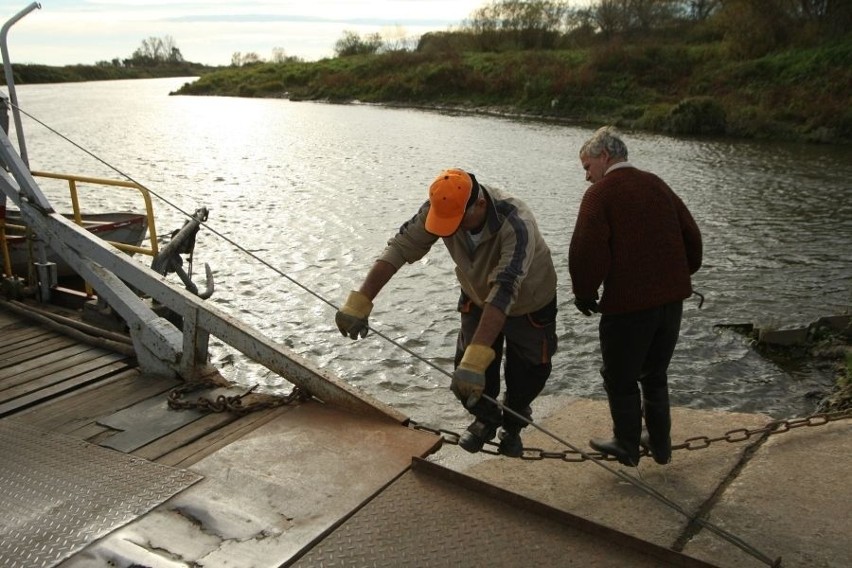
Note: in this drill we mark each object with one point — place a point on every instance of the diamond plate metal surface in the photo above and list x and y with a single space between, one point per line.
58 494
420 520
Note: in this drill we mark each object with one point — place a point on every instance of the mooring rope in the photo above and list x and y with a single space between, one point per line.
621 474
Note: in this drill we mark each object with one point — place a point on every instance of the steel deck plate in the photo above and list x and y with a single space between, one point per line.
58 493
431 516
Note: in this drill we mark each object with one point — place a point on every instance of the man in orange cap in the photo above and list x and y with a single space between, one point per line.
507 303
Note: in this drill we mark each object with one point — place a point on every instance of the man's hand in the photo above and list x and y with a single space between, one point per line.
351 319
469 378
586 307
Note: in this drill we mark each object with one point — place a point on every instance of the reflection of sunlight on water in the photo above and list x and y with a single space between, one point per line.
316 190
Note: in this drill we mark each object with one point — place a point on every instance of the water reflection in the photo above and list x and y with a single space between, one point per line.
316 190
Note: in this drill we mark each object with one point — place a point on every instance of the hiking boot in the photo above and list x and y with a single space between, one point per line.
476 435
510 444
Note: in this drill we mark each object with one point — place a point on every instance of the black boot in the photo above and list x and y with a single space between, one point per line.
510 444
510 436
658 421
626 412
474 438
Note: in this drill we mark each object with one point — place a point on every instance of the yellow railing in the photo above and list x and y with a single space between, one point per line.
75 204
73 180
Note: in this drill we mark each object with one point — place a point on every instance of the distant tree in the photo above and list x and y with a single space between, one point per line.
156 51
753 28
519 23
251 58
448 42
241 59
350 43
278 55
699 10
396 39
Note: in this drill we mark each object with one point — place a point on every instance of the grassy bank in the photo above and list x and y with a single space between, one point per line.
32 73
688 89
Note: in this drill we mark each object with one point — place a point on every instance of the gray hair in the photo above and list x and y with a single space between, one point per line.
605 138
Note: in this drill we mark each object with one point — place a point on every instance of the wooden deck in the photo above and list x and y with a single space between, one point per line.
58 384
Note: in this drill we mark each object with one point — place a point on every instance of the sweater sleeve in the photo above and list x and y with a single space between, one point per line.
691 237
589 253
411 242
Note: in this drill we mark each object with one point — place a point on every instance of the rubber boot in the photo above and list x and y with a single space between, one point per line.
626 412
510 435
658 421
510 443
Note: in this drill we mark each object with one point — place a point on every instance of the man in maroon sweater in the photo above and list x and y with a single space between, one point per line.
635 237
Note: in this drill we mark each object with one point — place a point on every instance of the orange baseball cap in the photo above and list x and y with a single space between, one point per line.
449 197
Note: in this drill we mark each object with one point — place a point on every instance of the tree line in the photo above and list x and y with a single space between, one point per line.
750 28
153 52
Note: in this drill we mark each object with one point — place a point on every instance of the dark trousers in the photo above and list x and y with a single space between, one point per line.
530 342
637 348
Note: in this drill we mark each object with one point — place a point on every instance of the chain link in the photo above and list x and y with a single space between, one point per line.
694 443
223 403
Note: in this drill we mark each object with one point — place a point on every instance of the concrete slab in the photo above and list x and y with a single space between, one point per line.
588 490
793 499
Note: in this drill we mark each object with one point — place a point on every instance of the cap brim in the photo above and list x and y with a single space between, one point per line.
443 226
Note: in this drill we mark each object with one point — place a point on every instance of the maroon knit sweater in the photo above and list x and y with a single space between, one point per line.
638 239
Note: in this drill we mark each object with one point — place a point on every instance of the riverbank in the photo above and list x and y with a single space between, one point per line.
825 344
679 89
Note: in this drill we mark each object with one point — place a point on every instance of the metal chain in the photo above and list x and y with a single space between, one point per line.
693 443
234 403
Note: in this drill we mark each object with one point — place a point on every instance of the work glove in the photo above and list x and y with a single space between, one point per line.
351 319
586 306
469 377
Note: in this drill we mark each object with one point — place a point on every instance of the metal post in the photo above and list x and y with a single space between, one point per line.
10 77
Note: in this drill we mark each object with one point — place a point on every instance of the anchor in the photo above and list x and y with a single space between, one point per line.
169 259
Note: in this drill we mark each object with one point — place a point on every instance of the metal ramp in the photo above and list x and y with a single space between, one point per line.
58 493
433 516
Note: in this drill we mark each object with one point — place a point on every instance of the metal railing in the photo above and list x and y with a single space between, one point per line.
77 214
75 205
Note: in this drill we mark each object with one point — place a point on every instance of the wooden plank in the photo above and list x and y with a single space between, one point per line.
15 334
11 347
61 355
74 410
185 435
40 348
91 432
191 453
8 320
146 422
68 364
26 395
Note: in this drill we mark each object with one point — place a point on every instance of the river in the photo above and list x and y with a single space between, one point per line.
317 189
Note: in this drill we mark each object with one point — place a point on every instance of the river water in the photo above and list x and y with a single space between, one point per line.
316 190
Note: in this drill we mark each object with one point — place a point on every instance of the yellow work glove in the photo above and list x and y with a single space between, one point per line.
469 377
351 319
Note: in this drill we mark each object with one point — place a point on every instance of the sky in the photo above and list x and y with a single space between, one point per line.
68 32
